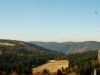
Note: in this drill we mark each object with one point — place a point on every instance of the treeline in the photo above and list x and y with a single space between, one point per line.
21 58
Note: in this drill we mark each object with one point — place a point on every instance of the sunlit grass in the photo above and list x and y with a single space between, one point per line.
52 66
7 44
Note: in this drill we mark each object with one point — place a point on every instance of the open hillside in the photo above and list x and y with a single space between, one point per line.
20 57
70 47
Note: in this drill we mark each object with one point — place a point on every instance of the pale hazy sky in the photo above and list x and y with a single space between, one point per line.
50 20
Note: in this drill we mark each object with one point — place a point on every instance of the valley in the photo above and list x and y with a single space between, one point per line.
19 57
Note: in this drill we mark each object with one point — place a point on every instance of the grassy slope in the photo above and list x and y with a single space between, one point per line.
52 66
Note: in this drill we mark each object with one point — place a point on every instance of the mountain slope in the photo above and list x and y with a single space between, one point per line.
70 47
20 57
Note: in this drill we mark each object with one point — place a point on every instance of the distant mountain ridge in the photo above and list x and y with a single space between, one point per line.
70 47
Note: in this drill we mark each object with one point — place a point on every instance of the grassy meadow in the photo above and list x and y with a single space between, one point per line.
52 66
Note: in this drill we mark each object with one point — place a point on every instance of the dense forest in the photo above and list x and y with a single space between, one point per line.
20 57
83 63
70 47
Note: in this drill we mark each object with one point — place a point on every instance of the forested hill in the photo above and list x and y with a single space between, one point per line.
19 57
19 43
83 63
70 47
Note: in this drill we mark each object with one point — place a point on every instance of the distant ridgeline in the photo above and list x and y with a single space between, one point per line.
70 47
20 57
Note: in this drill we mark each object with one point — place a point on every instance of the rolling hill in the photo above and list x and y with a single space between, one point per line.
20 57
70 47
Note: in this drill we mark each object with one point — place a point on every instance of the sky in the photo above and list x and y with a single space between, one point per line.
50 20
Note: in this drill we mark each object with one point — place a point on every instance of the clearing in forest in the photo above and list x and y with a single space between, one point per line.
52 66
7 44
